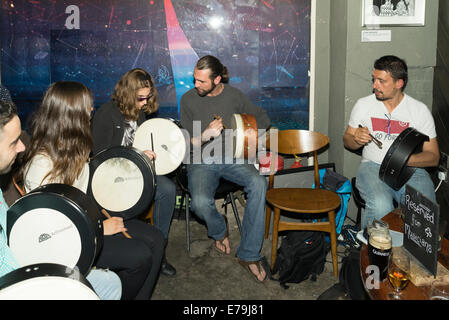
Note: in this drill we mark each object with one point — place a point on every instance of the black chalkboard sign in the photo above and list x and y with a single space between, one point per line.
421 228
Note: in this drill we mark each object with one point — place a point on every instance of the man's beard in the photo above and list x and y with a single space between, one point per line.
379 98
205 93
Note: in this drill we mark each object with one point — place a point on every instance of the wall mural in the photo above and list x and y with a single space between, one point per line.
265 45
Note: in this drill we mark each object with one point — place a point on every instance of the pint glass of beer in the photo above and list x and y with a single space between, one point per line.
379 250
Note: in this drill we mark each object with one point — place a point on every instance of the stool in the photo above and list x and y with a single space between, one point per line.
224 191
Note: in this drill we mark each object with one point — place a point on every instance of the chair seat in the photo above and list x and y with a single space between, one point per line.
304 200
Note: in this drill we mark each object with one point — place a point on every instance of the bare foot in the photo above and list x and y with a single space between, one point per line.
223 245
258 271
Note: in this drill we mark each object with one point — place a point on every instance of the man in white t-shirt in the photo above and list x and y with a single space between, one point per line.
385 114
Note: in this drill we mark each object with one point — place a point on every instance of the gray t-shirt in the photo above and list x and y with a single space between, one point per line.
198 112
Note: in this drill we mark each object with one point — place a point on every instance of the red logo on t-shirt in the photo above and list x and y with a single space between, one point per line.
389 126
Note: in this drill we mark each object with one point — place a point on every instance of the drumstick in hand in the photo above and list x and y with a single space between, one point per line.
219 118
376 141
152 148
107 215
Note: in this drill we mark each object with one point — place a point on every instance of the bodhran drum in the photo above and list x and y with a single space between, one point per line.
166 139
46 281
245 135
122 181
55 223
394 170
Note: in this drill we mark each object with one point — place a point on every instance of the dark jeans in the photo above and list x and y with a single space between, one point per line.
137 261
164 204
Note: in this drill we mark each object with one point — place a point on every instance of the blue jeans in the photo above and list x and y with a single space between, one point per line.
203 182
164 204
106 284
379 196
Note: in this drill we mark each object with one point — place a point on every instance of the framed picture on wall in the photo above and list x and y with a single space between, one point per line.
393 12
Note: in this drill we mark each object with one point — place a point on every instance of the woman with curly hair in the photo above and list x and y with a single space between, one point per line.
115 123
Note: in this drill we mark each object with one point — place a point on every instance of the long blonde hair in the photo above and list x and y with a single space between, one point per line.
61 130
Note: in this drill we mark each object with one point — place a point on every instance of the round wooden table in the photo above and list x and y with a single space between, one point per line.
411 292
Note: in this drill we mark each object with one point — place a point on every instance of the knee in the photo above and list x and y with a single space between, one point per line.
257 183
379 203
200 202
142 258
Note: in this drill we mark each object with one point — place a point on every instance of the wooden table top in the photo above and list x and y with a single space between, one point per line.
411 292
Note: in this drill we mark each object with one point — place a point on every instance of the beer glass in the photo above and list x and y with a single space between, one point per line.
376 224
379 249
398 273
439 290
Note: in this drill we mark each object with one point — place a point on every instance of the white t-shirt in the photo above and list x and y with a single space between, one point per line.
371 113
38 168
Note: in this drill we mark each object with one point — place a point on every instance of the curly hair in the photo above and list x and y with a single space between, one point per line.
60 129
125 93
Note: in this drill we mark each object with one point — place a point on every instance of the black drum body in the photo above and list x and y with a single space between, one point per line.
122 181
46 281
394 170
55 223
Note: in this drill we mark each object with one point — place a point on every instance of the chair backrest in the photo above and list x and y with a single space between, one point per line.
297 142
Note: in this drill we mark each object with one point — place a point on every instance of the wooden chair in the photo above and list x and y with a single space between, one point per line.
149 215
301 200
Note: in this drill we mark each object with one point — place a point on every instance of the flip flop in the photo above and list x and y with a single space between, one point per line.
245 265
221 241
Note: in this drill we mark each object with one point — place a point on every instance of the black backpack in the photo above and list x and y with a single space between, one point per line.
302 254
350 278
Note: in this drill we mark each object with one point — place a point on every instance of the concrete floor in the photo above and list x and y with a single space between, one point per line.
204 274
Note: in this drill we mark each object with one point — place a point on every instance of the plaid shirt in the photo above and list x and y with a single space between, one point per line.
7 261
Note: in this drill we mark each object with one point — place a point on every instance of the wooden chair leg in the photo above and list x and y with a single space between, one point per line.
274 246
333 237
149 216
267 220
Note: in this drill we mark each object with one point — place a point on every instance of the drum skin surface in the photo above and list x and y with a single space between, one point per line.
165 138
122 181
394 170
55 223
46 281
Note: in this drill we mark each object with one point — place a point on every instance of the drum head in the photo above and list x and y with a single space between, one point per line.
394 170
55 223
122 181
168 143
46 282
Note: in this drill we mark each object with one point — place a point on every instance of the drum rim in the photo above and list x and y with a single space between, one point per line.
42 270
239 141
91 237
396 181
143 161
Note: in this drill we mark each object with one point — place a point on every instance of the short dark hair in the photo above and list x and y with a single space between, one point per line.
215 66
8 110
397 68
